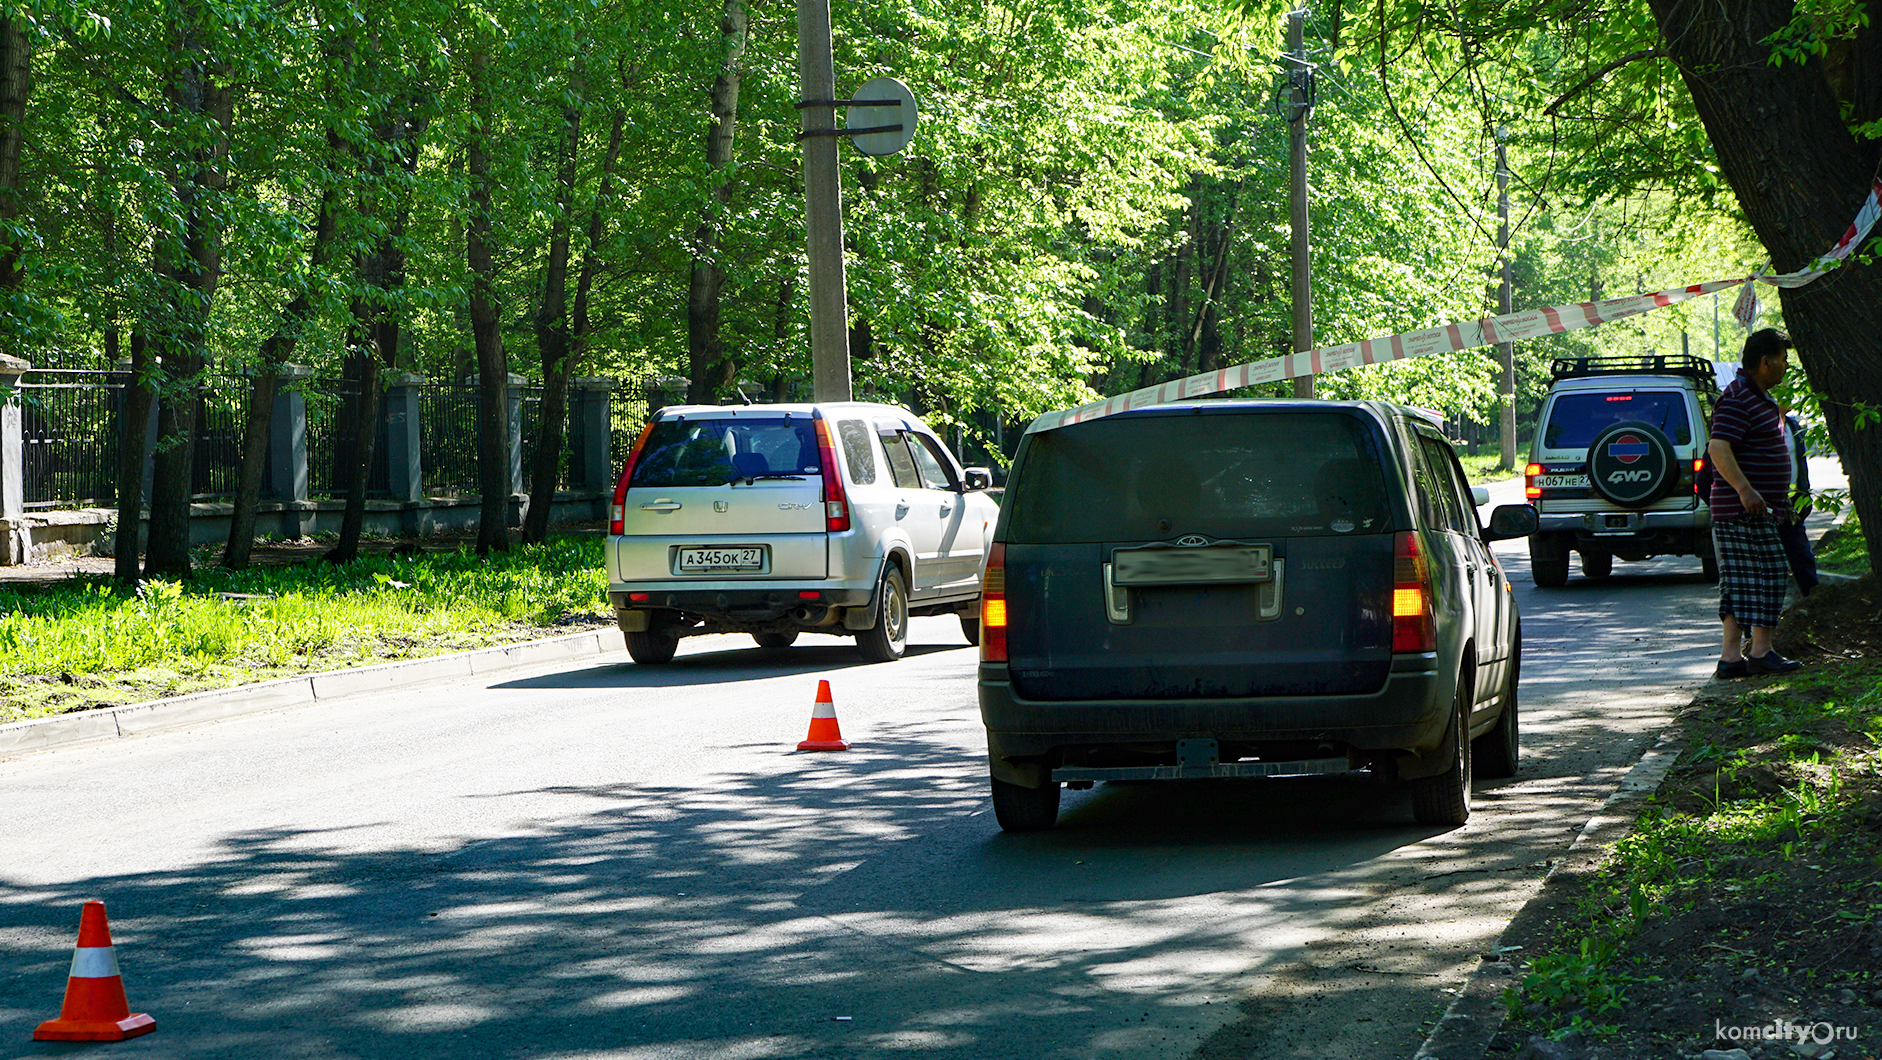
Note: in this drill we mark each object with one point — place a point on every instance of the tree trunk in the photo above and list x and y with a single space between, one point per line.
256 428
203 107
1800 175
710 370
493 368
133 424
16 82
553 341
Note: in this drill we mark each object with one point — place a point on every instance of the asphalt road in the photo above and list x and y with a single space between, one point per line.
606 860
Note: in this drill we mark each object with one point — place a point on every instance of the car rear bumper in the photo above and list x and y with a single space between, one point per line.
1409 712
1623 523
743 602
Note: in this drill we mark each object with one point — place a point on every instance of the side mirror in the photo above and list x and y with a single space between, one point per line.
1510 520
1479 496
976 478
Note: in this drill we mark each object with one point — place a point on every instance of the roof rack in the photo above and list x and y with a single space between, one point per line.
1698 369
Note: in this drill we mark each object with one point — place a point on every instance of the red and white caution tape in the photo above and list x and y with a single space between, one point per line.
1464 335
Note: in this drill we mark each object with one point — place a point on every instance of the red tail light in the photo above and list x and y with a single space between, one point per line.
1530 489
1414 628
1698 464
836 504
993 607
617 511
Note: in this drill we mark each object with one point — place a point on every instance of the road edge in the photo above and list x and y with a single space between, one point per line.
161 715
1474 1017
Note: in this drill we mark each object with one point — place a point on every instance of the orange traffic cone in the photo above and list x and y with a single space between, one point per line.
95 1009
824 735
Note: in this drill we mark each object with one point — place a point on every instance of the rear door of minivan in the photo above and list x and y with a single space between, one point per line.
1228 550
725 494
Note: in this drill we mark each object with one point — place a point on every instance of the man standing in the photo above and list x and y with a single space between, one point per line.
1750 496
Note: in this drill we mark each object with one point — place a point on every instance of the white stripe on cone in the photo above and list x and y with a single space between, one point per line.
94 962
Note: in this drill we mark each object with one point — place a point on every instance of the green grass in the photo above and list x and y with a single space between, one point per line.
77 645
1846 553
1483 468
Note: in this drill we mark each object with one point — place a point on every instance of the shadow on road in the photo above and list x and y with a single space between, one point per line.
717 667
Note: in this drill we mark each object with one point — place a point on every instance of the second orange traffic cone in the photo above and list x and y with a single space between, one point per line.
824 735
95 1009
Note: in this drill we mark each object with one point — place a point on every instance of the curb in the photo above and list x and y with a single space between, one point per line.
177 712
1465 1030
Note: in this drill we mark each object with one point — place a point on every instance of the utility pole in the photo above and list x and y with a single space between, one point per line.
1505 351
1299 104
823 205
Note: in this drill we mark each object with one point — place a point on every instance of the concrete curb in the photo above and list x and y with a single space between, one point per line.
178 712
1465 1030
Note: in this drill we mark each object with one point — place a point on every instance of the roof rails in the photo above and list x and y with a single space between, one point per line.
1698 369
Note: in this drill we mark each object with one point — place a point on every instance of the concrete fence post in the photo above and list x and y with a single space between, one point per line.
287 436
590 434
405 470
14 543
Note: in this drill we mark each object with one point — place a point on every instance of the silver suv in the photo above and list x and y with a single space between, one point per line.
1618 445
774 520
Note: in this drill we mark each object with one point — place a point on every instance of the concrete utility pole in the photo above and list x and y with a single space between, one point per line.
823 206
1505 351
1299 104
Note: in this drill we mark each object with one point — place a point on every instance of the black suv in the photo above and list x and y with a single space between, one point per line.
1246 588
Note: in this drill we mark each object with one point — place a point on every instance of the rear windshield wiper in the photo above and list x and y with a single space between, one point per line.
756 478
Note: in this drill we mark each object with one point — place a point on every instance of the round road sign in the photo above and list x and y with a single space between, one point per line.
900 114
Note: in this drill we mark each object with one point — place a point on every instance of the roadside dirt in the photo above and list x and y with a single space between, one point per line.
1766 939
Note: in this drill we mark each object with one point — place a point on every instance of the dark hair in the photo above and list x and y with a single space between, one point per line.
1763 345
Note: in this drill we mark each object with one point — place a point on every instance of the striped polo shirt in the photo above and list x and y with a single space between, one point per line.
1748 419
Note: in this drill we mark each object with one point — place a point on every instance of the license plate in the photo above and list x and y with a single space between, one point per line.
1189 566
721 559
1562 482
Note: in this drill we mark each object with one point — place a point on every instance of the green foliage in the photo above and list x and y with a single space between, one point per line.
282 620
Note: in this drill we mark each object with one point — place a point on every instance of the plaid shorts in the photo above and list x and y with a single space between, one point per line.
1752 570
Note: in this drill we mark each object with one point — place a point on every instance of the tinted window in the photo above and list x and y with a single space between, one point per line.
1577 418
901 465
1223 476
934 472
857 451
714 452
1447 509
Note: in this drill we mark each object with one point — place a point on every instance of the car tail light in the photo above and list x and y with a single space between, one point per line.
1531 491
836 504
1698 464
1414 628
617 511
993 606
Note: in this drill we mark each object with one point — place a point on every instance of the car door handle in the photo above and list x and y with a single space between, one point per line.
946 509
901 509
661 506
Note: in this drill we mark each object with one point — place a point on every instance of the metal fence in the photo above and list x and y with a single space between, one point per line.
332 412
69 437
447 438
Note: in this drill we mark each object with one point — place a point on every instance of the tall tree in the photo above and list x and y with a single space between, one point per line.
711 371
493 368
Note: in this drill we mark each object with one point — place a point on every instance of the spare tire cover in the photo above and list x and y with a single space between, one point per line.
1632 464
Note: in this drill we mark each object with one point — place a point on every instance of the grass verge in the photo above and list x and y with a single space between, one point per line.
1485 468
1842 549
82 643
1745 909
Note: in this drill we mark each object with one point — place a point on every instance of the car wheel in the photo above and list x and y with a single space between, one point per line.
1597 564
652 647
970 628
1445 798
1548 562
887 640
775 640
1495 753
1025 809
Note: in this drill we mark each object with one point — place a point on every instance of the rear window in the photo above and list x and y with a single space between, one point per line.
1222 476
714 452
1577 418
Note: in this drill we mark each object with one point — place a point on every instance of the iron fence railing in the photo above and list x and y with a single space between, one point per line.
332 413
447 439
69 437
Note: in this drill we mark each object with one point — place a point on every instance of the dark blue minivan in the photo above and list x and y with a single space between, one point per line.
1233 588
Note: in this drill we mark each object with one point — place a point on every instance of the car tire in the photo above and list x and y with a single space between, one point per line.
887 640
1597 564
1445 798
1495 753
970 628
652 647
1020 809
775 641
1548 561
